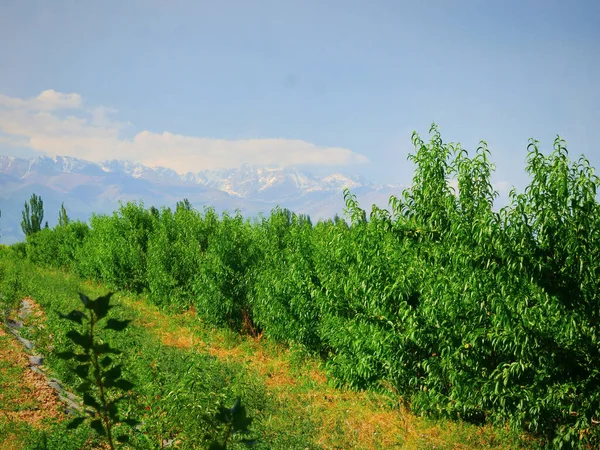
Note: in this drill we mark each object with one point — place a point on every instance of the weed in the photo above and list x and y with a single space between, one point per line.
100 375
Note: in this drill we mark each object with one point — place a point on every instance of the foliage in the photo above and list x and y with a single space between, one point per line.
174 394
225 271
101 377
20 249
11 283
63 218
57 247
115 250
33 215
179 386
282 298
175 251
235 422
183 205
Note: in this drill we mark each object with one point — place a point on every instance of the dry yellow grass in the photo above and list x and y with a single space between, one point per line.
366 423
343 418
27 399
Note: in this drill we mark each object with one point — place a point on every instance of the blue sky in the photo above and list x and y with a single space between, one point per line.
334 85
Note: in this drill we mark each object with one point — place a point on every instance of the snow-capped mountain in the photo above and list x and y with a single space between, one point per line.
250 181
87 187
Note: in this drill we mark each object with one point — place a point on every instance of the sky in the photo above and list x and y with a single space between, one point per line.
323 84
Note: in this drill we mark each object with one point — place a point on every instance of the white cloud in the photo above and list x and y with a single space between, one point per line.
91 134
453 184
503 186
180 152
48 100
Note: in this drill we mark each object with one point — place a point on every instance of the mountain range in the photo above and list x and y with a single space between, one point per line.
88 187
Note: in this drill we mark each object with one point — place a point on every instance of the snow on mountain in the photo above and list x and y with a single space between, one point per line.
246 181
249 181
45 165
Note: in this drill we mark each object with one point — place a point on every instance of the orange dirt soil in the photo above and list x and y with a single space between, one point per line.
32 389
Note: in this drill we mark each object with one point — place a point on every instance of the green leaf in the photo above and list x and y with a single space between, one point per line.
117 325
74 316
65 355
82 370
112 408
100 349
88 400
106 361
84 386
82 357
131 422
223 415
124 385
240 421
102 305
84 299
113 373
79 339
75 423
98 427
236 406
216 446
123 438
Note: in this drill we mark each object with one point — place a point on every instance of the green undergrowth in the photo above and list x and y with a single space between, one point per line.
176 392
184 370
16 435
17 429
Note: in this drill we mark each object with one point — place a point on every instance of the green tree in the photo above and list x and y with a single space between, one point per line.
184 204
63 219
33 215
154 212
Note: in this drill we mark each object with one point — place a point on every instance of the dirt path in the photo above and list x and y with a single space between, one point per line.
26 400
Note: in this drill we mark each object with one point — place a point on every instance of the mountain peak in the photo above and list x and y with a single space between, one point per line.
247 180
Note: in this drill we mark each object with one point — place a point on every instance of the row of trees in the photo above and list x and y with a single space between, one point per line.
490 316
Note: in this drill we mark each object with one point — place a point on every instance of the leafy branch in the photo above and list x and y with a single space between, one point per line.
101 378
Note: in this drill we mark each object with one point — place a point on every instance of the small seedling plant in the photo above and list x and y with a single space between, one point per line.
102 386
236 423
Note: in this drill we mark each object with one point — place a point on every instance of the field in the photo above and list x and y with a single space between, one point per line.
440 323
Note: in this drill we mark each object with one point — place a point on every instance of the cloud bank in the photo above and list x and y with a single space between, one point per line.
60 124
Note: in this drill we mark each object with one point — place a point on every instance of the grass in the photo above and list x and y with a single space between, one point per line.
341 418
184 369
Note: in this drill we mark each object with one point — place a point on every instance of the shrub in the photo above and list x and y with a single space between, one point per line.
115 249
225 272
284 283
